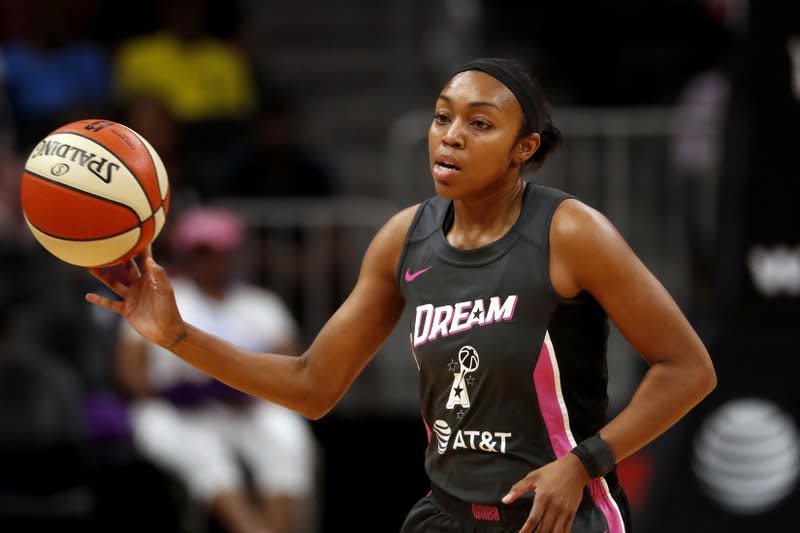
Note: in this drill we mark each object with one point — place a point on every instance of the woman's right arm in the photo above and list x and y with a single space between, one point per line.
310 384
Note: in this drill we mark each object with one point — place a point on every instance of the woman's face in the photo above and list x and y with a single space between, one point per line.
473 138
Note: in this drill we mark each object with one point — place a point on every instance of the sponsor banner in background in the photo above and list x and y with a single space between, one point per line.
733 464
759 266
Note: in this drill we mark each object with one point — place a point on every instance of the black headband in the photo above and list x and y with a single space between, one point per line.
522 88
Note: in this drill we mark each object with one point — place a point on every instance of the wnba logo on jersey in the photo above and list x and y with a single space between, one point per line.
468 362
462 367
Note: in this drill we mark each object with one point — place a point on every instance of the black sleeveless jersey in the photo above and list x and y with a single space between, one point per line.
512 375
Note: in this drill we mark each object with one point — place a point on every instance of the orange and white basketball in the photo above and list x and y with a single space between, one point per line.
94 193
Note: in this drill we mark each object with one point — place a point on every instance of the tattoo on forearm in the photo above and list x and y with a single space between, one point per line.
178 339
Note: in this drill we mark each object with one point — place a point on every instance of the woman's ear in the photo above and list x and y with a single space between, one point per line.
526 147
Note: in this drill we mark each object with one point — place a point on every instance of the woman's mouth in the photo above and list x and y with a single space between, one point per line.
443 169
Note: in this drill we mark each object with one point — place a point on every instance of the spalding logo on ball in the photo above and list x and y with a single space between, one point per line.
94 193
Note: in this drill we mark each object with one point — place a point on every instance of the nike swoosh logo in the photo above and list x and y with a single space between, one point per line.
411 277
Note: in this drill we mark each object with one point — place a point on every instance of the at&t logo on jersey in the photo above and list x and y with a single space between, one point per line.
465 364
469 439
432 322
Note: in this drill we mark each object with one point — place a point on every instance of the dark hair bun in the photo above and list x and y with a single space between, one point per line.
550 141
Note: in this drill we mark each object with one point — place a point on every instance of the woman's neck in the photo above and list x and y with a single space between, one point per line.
484 220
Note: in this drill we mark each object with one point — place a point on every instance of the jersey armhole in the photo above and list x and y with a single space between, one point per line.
580 298
406 241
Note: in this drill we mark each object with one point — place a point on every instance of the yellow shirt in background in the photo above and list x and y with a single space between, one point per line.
202 79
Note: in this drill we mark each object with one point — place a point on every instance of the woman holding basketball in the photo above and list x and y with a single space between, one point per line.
512 285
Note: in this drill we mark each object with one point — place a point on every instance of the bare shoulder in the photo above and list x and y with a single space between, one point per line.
399 223
384 251
584 247
578 226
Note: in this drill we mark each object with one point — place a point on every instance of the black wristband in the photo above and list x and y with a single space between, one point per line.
596 456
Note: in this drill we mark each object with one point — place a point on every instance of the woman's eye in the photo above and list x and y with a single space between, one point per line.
440 118
481 124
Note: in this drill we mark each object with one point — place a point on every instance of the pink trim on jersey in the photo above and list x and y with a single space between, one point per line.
601 495
427 429
547 382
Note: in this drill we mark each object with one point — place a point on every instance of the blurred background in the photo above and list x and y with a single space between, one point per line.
308 121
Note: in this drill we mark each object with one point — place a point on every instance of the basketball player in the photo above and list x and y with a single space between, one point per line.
511 285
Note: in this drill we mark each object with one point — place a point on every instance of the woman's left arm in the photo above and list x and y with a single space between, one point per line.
588 254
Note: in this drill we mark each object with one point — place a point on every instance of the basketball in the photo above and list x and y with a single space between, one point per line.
94 193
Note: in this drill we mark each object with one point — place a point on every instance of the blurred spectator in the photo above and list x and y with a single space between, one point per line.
198 75
274 160
51 72
48 317
697 155
43 480
149 116
703 111
205 82
199 428
66 457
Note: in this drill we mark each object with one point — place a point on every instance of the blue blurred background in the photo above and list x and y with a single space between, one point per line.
309 119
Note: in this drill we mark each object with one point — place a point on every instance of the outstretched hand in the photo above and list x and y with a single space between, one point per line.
147 300
559 490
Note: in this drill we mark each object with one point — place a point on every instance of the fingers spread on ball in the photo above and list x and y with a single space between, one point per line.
133 270
119 288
